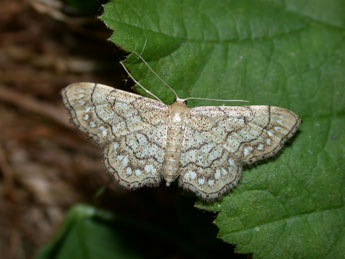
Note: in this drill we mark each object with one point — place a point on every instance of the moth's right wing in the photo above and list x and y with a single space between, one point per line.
219 140
132 129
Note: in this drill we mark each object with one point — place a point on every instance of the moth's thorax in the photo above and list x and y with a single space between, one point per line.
177 114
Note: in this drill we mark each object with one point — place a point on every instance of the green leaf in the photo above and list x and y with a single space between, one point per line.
285 53
88 232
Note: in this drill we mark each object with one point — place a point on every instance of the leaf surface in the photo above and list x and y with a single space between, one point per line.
284 53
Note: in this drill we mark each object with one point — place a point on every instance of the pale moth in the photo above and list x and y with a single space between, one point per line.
205 148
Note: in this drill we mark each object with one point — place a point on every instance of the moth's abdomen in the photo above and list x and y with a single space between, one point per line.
174 141
173 153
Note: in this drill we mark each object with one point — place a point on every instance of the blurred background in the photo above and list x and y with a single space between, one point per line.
46 165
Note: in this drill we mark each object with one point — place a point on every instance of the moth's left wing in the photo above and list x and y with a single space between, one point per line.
131 128
219 140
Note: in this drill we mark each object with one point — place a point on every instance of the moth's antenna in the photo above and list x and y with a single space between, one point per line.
154 72
167 85
142 51
135 81
218 100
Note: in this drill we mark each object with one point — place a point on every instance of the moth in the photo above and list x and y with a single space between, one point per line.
204 148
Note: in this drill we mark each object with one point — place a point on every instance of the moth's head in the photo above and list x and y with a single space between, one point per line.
179 105
180 100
